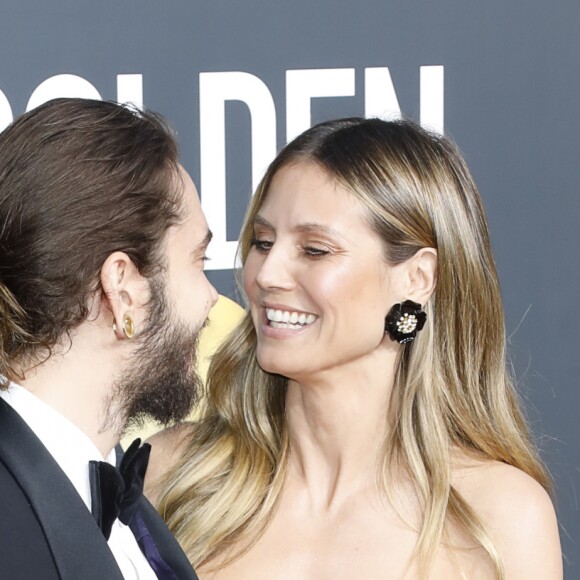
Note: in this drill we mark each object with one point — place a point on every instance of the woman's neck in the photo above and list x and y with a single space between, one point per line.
337 424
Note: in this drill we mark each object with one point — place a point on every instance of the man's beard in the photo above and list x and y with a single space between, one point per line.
162 382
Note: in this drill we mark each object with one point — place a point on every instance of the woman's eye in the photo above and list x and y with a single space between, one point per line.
315 252
261 245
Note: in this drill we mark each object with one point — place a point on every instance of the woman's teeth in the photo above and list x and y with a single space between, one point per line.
288 319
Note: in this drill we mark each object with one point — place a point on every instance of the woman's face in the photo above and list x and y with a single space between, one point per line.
316 279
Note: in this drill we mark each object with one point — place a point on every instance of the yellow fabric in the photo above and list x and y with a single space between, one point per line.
223 317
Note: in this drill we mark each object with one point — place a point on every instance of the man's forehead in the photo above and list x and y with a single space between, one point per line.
195 220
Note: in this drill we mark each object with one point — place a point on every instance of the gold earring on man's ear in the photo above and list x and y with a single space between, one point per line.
127 327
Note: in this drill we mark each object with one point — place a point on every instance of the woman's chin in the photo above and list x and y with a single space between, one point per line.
274 366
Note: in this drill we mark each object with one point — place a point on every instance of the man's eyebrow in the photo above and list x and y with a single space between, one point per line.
202 246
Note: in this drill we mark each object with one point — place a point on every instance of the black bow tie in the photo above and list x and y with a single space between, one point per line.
115 492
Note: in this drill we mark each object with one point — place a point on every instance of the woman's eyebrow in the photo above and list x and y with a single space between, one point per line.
261 221
309 227
306 227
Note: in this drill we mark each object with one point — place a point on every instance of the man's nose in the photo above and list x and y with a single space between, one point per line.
213 293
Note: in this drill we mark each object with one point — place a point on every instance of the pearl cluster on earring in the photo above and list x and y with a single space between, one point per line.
407 323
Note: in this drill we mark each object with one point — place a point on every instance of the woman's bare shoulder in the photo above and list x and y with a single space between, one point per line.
167 447
518 514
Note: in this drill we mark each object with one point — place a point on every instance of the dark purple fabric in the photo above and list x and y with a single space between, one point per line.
149 549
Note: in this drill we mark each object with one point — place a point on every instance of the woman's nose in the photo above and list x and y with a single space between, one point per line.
275 271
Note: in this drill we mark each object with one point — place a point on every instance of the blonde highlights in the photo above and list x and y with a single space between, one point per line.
452 390
14 338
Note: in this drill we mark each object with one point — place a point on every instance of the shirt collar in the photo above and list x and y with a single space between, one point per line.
71 448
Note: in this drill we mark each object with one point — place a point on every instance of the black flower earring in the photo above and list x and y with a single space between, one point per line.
404 321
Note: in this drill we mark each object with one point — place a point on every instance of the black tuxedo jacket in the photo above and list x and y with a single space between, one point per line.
46 531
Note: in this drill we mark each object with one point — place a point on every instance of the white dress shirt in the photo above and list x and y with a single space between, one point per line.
72 450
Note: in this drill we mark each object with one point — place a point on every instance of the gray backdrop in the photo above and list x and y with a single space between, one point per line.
502 77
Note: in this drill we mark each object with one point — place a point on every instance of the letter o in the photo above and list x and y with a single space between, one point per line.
64 85
5 112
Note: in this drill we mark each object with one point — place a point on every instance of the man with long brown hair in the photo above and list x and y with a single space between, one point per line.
102 297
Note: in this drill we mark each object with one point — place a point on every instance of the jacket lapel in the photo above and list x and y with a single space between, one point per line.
77 544
166 545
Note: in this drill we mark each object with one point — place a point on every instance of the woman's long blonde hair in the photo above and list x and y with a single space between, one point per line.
451 388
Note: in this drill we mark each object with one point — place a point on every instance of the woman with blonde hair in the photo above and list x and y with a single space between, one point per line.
360 421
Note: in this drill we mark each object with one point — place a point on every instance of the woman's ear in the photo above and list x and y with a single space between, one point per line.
422 274
125 292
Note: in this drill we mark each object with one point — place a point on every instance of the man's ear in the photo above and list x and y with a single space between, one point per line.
422 275
125 291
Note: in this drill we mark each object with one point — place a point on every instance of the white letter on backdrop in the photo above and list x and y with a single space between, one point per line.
130 89
380 96
432 98
215 88
304 85
64 85
5 112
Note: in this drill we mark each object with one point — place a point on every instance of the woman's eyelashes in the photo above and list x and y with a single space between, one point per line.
315 251
262 245
309 250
